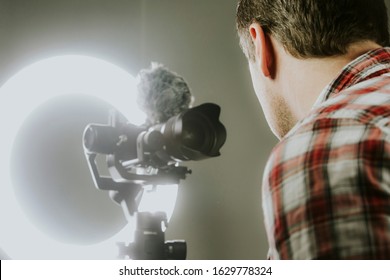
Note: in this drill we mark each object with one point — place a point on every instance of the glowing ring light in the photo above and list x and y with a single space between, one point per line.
21 94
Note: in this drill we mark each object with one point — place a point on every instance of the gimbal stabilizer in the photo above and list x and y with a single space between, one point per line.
137 157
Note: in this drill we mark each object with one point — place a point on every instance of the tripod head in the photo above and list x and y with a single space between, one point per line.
149 242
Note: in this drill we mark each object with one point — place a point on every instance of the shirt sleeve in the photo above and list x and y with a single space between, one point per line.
326 193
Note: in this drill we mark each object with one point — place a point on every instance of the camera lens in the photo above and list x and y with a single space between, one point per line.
194 134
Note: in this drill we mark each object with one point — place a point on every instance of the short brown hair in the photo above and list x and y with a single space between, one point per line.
314 28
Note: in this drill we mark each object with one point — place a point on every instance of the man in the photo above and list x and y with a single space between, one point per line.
321 72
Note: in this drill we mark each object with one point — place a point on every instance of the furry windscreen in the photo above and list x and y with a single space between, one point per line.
162 94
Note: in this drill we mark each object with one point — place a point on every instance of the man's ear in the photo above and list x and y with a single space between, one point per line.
263 48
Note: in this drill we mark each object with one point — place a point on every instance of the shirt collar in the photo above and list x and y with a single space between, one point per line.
366 66
369 65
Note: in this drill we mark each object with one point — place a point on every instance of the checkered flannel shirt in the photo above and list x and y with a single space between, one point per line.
326 187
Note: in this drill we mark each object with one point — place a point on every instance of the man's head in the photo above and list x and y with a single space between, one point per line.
314 28
295 48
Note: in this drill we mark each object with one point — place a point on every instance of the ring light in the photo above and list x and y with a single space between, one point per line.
20 95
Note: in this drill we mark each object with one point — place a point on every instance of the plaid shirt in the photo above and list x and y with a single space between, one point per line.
326 187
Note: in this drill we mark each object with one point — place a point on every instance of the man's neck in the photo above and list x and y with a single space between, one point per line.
304 79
